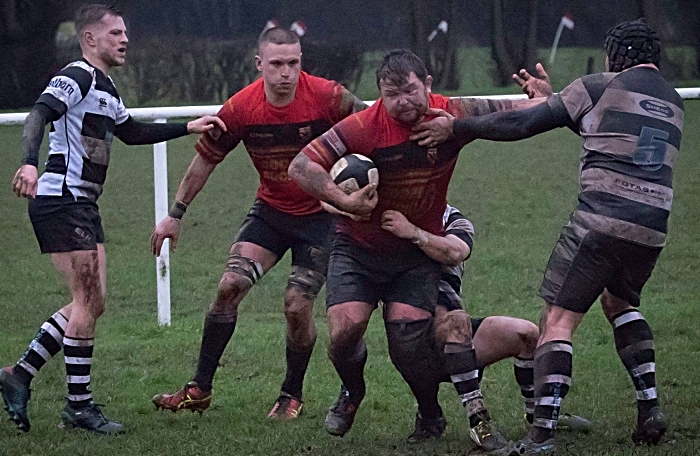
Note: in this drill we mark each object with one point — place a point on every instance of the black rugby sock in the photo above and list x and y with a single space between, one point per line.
297 363
412 351
218 329
351 371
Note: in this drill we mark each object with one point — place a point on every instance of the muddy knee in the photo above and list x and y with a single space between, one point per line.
453 327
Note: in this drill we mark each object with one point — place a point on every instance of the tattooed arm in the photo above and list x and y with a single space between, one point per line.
314 179
24 183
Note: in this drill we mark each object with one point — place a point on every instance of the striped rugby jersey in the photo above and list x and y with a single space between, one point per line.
451 276
631 124
80 141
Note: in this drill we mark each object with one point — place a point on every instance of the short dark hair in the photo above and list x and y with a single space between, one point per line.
632 43
397 65
91 14
278 35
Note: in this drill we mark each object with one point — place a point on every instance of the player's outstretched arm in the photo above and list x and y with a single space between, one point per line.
315 180
169 228
133 132
534 86
499 126
449 250
205 124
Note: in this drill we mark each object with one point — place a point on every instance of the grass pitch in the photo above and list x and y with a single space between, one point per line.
518 195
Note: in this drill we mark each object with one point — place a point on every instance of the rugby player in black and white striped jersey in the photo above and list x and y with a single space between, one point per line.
86 112
493 338
630 119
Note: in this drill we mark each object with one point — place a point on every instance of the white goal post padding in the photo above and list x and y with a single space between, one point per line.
160 174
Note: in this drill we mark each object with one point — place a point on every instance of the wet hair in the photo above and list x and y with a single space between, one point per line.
632 43
397 65
92 14
277 35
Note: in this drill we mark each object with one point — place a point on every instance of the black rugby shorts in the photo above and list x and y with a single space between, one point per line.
62 224
585 262
308 236
356 274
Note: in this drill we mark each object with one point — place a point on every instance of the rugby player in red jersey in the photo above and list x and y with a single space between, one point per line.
274 117
369 264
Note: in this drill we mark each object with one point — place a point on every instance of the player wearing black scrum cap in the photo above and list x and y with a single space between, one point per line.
630 119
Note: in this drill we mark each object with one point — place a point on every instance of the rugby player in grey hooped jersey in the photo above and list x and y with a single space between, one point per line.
630 119
86 112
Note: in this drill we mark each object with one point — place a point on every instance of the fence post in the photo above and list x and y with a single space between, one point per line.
160 191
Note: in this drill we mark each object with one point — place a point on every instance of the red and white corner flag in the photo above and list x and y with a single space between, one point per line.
298 27
566 21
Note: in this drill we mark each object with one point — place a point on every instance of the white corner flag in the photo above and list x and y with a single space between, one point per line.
272 23
566 21
442 27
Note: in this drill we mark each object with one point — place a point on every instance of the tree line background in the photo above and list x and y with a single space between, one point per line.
201 51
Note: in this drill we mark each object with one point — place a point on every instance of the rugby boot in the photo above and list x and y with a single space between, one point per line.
286 408
427 429
89 418
650 427
575 423
15 394
486 436
526 446
191 397
341 415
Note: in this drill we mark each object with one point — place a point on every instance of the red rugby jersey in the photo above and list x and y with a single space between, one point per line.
412 179
273 136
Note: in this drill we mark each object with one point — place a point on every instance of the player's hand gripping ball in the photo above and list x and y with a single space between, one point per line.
353 172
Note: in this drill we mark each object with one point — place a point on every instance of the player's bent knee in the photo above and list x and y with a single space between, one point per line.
454 327
307 281
528 333
240 275
343 341
244 268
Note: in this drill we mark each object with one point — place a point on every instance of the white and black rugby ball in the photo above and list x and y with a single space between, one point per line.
353 172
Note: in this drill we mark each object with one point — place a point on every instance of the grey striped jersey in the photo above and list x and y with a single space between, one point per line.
631 124
451 276
80 141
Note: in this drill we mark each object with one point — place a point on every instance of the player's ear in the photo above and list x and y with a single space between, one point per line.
88 38
258 63
428 83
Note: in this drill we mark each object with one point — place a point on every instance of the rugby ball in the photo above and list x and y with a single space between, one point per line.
353 172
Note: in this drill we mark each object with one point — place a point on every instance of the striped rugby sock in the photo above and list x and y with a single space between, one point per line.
524 375
78 355
552 374
634 342
460 362
45 345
